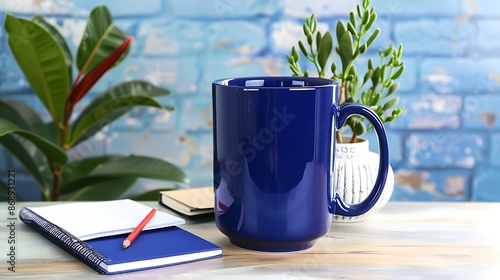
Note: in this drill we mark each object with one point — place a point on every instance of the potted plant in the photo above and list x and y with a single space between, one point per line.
375 88
44 148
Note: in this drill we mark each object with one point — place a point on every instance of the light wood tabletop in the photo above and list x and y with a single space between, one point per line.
405 240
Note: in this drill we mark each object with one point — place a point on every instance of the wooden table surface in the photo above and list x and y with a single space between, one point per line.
405 240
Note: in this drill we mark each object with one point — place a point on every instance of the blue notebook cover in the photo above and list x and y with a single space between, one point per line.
153 248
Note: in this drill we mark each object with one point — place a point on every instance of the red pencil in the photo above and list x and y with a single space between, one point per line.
138 229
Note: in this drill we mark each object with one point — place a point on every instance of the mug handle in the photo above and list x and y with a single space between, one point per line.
342 114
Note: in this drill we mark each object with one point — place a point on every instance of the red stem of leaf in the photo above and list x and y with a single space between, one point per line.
95 74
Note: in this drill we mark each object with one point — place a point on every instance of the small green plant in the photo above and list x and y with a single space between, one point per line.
43 148
376 87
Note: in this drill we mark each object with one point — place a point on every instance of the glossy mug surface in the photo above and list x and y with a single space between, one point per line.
274 147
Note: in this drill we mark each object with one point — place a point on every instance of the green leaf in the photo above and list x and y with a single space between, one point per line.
151 195
131 92
346 46
295 54
53 153
42 61
318 39
368 75
97 115
81 168
101 38
393 88
60 39
307 30
104 190
125 167
324 50
373 37
341 30
22 115
4 191
398 73
375 99
30 157
302 48
333 67
366 17
359 128
142 167
391 103
352 19
373 18
351 28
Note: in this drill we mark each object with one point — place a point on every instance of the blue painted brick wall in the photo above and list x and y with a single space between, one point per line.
445 146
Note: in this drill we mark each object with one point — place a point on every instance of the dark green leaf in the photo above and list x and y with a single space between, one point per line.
81 168
295 54
373 18
22 115
358 9
376 77
306 73
318 39
126 167
370 64
388 51
307 30
53 153
351 28
149 196
60 39
345 46
107 189
352 19
333 67
310 39
390 119
142 167
398 73
359 128
373 37
363 48
341 29
375 99
101 38
366 17
290 59
129 94
368 75
42 61
324 50
302 49
400 51
30 157
96 117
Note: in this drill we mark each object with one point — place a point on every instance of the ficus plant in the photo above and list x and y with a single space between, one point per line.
375 88
45 148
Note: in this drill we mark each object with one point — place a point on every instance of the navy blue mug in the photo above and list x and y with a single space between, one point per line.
274 152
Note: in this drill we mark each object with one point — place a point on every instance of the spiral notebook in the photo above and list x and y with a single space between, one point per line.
93 232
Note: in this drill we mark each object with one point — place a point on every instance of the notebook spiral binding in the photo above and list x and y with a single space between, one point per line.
70 243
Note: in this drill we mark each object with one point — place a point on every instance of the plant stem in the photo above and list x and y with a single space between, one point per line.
320 74
354 138
57 170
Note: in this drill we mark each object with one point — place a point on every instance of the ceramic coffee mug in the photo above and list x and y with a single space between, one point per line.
274 147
